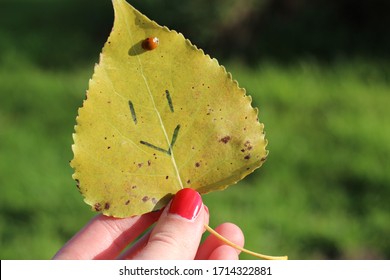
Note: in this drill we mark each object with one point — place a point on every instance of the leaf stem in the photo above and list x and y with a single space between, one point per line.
228 242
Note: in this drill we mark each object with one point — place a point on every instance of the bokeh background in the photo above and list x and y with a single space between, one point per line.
318 71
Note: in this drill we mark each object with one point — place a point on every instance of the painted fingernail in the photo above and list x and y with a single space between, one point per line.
186 203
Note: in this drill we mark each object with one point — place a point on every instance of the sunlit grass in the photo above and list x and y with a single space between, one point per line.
322 193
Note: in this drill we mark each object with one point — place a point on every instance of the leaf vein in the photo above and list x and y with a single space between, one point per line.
154 106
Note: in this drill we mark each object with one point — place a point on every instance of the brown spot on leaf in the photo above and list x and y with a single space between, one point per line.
140 164
247 157
225 139
127 202
188 181
197 164
248 145
97 206
167 177
149 162
145 198
134 187
107 206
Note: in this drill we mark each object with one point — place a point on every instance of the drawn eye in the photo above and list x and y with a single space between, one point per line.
150 43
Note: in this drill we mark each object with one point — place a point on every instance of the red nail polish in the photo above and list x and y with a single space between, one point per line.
186 203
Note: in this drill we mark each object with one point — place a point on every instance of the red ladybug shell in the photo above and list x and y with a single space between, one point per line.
150 43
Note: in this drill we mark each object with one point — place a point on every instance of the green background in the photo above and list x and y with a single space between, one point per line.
318 71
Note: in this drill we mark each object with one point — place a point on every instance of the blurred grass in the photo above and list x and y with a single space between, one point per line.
323 192
325 188
40 206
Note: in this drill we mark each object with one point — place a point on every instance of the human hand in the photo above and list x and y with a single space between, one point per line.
176 235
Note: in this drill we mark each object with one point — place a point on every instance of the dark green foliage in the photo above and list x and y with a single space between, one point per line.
66 32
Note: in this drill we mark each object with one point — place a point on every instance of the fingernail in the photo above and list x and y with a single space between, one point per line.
186 203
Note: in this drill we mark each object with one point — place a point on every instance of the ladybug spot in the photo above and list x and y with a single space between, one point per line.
150 43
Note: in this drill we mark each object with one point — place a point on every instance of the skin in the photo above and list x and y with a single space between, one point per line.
172 237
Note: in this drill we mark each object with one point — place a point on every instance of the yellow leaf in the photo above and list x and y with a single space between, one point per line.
159 120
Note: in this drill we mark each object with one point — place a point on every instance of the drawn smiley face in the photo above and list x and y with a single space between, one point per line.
175 134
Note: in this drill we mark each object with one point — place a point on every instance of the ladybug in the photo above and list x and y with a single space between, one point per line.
150 43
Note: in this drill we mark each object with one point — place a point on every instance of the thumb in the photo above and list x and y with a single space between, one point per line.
178 232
